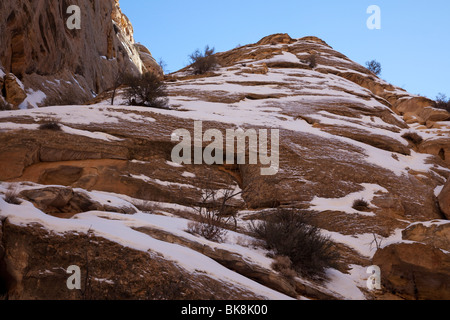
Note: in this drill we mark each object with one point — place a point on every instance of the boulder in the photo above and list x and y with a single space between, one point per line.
414 271
149 62
444 200
65 202
15 92
436 234
433 114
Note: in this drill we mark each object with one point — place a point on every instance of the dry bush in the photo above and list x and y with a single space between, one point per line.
374 67
214 214
291 234
312 60
360 205
283 265
146 90
210 227
413 137
4 106
202 62
50 125
12 197
442 102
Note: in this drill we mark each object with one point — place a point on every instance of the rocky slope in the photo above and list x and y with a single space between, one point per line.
107 177
41 58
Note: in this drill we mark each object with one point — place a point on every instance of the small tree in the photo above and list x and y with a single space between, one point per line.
442 102
202 62
374 66
214 212
146 90
118 81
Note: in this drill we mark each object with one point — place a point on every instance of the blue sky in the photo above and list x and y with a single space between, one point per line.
413 45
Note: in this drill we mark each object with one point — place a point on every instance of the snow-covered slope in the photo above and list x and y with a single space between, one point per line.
342 138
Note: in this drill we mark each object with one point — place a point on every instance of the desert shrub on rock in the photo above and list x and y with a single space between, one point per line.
374 66
202 62
412 137
12 197
146 90
51 125
360 205
312 60
442 102
291 234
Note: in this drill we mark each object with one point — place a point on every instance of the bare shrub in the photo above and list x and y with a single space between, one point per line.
374 66
146 90
211 227
312 60
360 205
12 197
214 214
202 62
442 102
51 125
283 265
291 234
4 106
413 137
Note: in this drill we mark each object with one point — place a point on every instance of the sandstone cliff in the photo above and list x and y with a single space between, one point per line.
107 177
50 60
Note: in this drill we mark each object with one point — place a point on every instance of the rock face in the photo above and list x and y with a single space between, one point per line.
65 202
415 271
341 139
15 92
39 49
436 234
34 270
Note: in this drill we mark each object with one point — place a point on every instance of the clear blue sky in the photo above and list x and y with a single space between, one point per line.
413 45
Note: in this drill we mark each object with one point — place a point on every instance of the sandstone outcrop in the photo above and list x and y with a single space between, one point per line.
436 234
341 140
15 93
39 49
415 271
36 261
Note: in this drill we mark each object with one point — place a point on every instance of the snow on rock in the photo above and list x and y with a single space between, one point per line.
345 204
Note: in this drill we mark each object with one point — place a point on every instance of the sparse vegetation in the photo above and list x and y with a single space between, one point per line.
283 265
312 60
413 137
68 96
442 102
214 214
202 62
4 106
374 66
51 125
291 234
146 90
360 205
12 197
